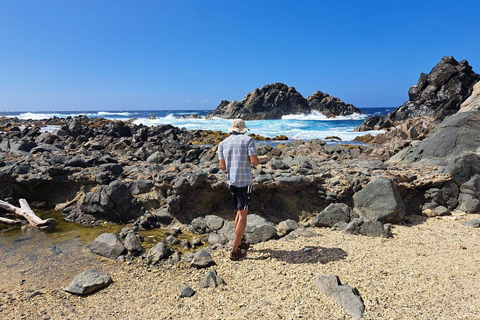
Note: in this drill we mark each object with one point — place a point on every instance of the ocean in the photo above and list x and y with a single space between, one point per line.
303 126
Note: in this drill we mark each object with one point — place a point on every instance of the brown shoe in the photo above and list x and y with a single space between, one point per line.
240 253
245 244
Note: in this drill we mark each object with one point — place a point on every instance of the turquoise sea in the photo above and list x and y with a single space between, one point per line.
303 126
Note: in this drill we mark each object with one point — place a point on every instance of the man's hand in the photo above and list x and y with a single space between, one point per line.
223 166
254 160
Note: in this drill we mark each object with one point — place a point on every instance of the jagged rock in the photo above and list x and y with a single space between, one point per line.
187 292
470 195
271 102
211 280
437 94
347 297
88 282
334 213
108 245
202 259
380 201
132 243
330 106
158 252
259 229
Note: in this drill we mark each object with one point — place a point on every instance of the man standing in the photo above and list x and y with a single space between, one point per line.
236 154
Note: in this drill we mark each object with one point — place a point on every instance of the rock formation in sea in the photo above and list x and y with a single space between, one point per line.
437 94
276 100
330 106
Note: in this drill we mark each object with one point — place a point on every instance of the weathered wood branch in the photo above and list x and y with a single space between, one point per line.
10 221
26 212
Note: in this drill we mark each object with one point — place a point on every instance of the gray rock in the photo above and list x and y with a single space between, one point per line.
132 243
217 239
259 229
88 282
211 280
334 213
380 201
287 226
172 239
474 223
347 297
108 245
213 223
187 292
198 225
163 216
202 259
370 228
159 252
470 195
441 211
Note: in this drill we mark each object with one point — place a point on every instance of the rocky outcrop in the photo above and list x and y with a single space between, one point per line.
276 100
437 94
330 106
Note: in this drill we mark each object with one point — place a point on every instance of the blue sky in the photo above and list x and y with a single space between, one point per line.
122 55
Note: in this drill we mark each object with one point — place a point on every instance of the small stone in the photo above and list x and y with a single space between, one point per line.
187 292
474 223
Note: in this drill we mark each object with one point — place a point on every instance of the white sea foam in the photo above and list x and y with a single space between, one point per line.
36 116
105 113
316 115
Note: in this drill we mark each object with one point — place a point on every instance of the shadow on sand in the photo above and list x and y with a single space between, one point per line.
305 255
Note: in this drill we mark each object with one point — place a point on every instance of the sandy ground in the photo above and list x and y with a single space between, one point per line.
428 270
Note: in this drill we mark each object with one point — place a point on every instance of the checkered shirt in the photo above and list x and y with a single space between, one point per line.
236 150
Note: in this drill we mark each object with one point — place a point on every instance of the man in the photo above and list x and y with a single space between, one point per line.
236 154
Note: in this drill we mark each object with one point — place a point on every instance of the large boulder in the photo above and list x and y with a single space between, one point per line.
380 201
437 94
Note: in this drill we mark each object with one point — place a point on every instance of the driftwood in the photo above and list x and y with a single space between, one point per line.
26 212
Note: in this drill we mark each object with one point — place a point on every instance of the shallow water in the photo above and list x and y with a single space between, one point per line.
35 259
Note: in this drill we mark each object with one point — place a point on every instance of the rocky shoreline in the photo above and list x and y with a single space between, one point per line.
96 170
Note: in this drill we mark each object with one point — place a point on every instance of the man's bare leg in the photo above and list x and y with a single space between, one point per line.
240 225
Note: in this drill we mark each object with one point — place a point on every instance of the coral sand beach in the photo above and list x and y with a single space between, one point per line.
383 227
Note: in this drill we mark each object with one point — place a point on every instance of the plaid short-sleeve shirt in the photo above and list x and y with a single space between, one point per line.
236 151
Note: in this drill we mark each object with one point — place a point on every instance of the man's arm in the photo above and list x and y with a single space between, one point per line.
254 160
223 166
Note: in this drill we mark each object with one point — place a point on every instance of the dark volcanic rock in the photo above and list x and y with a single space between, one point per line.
334 213
437 94
271 102
330 106
379 201
276 100
108 245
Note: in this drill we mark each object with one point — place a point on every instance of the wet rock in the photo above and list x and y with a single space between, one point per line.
108 245
88 282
